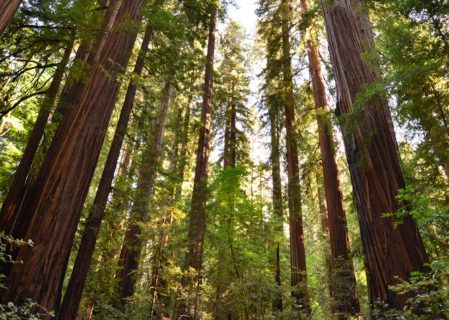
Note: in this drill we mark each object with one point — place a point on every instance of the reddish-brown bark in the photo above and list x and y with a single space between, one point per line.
371 150
343 282
72 297
57 198
132 245
297 250
197 218
7 10
13 200
87 56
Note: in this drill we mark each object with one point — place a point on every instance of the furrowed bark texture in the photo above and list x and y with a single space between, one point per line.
13 200
197 219
72 297
17 220
132 245
56 200
298 255
345 294
343 283
87 57
373 160
7 10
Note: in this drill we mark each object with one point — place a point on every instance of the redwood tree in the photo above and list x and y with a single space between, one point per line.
56 200
197 218
343 282
133 245
14 220
391 251
7 10
73 293
11 204
297 250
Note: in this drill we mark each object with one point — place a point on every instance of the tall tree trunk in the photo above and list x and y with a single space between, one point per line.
57 198
277 301
183 151
276 165
230 138
177 165
132 245
105 265
197 221
277 198
298 255
158 259
324 217
87 57
72 298
13 199
344 287
373 160
70 96
7 10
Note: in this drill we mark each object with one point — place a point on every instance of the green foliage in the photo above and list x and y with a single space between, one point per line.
427 292
236 248
10 311
242 231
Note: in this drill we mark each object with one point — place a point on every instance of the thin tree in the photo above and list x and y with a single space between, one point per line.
278 210
343 282
133 245
297 250
230 137
56 200
391 251
275 157
197 217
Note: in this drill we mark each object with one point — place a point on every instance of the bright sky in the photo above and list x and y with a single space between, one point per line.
245 14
